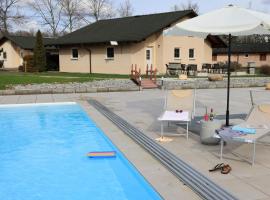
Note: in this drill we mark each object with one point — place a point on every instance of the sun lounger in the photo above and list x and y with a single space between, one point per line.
179 107
259 120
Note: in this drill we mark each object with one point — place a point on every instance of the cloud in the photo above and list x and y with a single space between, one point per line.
266 2
29 25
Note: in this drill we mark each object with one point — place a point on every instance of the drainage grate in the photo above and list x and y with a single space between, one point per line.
203 186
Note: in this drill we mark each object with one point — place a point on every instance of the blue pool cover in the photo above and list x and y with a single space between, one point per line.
43 157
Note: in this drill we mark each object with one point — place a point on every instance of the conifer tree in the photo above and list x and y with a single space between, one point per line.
39 54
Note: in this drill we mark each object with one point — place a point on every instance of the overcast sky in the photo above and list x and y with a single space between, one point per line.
152 6
156 6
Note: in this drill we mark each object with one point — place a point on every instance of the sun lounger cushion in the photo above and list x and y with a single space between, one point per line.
267 86
228 133
182 93
244 130
265 108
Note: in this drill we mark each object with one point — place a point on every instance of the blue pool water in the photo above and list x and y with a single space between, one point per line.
43 157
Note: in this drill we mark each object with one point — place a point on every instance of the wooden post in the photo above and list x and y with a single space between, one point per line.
155 75
151 72
139 77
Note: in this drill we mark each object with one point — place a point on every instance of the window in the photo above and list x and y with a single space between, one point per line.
75 54
214 57
191 53
5 55
246 55
110 53
148 55
263 57
176 53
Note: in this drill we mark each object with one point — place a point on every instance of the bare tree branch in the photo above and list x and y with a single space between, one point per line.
175 8
72 14
125 9
189 5
9 14
50 13
99 9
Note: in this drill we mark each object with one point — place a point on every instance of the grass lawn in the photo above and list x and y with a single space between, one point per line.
8 79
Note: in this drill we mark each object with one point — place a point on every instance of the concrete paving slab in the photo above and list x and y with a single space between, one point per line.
142 108
44 98
27 99
10 99
243 189
162 180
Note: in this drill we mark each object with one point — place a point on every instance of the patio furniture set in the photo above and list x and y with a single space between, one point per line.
212 131
192 69
178 68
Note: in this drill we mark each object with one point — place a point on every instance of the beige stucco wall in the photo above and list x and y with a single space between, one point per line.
13 59
100 64
202 49
135 53
67 64
138 52
120 64
240 58
127 54
14 55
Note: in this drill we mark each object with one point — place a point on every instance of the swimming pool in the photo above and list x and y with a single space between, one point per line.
43 157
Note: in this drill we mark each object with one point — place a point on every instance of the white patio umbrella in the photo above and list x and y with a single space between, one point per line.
230 21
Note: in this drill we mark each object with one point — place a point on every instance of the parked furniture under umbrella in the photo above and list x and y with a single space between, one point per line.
230 21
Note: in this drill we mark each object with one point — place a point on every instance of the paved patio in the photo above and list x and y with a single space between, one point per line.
142 109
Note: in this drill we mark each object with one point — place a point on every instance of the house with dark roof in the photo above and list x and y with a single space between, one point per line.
14 48
248 54
112 46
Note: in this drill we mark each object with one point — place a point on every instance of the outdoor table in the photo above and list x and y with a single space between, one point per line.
244 138
207 131
172 116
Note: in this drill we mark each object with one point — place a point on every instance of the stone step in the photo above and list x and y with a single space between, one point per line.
148 84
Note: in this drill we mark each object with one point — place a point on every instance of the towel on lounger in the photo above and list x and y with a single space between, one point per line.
244 130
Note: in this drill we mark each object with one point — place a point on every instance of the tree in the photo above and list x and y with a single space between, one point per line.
39 54
99 9
50 13
175 8
72 16
9 14
125 9
189 5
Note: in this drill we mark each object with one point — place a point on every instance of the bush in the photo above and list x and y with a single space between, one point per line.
21 68
265 69
235 66
29 64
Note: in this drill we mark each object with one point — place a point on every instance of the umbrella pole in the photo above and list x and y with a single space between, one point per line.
229 81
